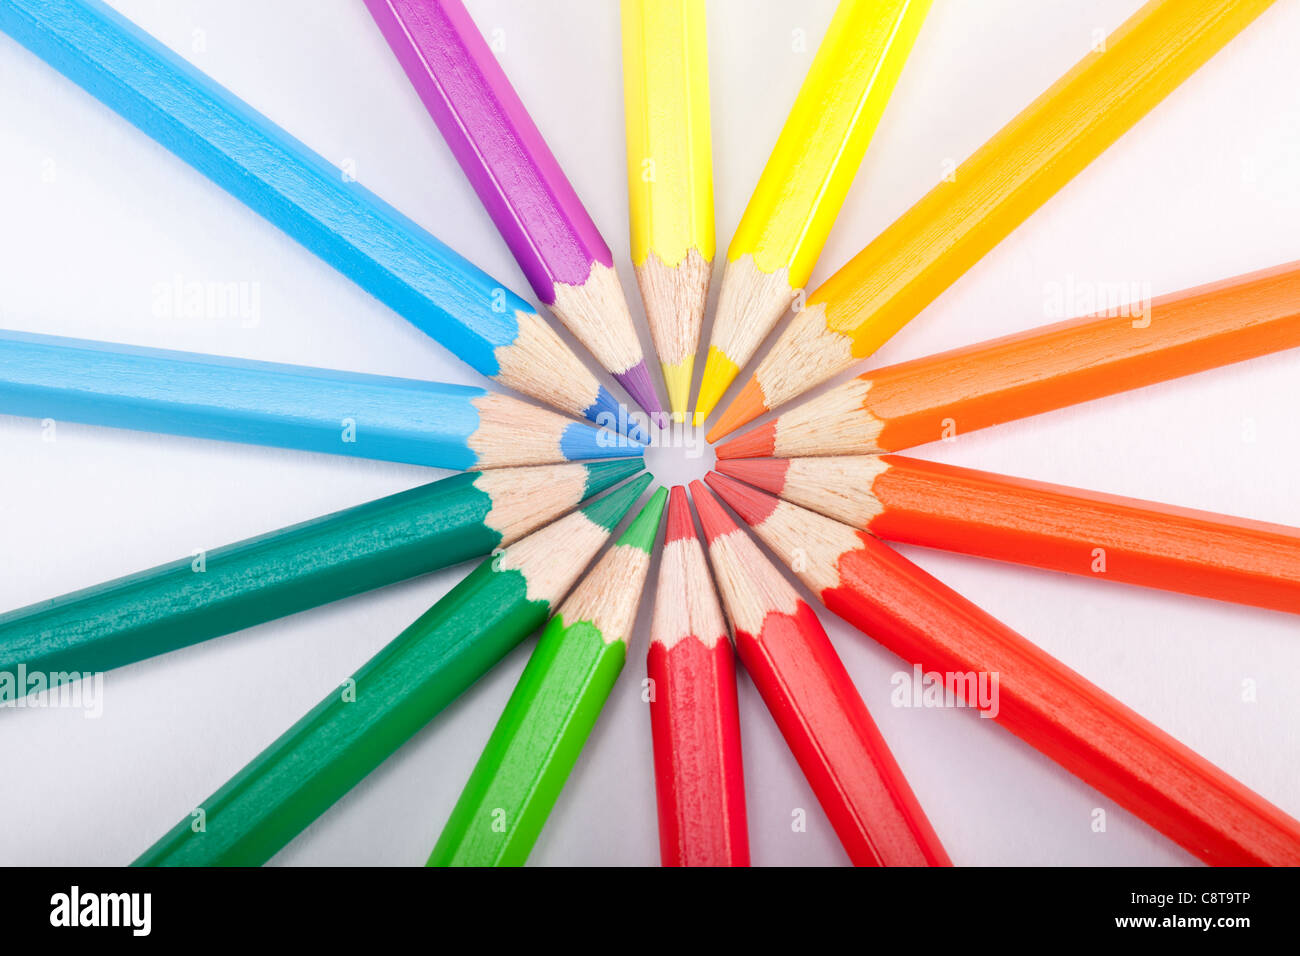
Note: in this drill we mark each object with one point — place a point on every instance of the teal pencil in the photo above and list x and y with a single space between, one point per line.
299 567
392 696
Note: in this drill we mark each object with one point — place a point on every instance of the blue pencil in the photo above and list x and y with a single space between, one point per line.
388 255
288 406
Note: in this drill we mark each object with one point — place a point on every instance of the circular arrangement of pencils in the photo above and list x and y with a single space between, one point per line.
552 499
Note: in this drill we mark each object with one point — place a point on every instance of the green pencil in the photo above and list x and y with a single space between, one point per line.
398 691
299 567
552 710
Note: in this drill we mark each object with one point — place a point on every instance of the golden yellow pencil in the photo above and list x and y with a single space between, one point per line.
670 177
1005 181
809 173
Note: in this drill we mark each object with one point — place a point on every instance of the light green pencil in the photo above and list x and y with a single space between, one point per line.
560 694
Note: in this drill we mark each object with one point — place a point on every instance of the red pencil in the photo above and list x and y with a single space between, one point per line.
1042 701
694 718
818 710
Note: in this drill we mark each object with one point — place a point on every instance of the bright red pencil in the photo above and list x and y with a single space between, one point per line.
694 717
818 710
1042 701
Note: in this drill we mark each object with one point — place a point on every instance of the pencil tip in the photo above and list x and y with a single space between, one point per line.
680 525
747 406
608 412
579 442
677 382
719 372
645 526
713 519
606 474
765 473
639 385
752 505
759 443
608 511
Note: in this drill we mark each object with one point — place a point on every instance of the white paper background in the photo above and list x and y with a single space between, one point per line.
96 216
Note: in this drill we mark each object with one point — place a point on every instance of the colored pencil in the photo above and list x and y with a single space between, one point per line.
287 406
1041 525
399 690
306 565
467 311
814 703
694 715
806 179
1028 161
1089 733
670 177
1046 368
554 706
518 179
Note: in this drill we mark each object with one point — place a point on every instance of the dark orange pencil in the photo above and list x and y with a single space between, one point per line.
1039 699
812 699
1042 525
1032 372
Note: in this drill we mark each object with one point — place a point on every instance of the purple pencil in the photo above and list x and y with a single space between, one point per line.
517 178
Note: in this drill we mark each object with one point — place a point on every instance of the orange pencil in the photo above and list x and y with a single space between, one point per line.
1035 696
1043 525
1001 185
1031 372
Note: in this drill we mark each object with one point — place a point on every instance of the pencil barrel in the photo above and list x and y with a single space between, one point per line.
537 741
354 729
250 582
1056 711
699 774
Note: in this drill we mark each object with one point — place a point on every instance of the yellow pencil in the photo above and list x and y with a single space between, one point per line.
670 177
998 187
806 179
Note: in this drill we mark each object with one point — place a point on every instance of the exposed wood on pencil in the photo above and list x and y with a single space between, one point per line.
1042 369
694 715
1049 706
1027 162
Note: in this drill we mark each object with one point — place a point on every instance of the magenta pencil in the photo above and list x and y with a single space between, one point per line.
516 176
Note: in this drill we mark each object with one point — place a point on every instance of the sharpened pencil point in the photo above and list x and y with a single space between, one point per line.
645 526
677 380
609 511
582 442
606 474
639 385
765 473
713 519
752 505
759 443
747 406
607 411
680 524
719 372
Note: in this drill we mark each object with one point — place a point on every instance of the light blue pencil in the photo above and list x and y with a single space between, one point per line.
288 406
388 255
